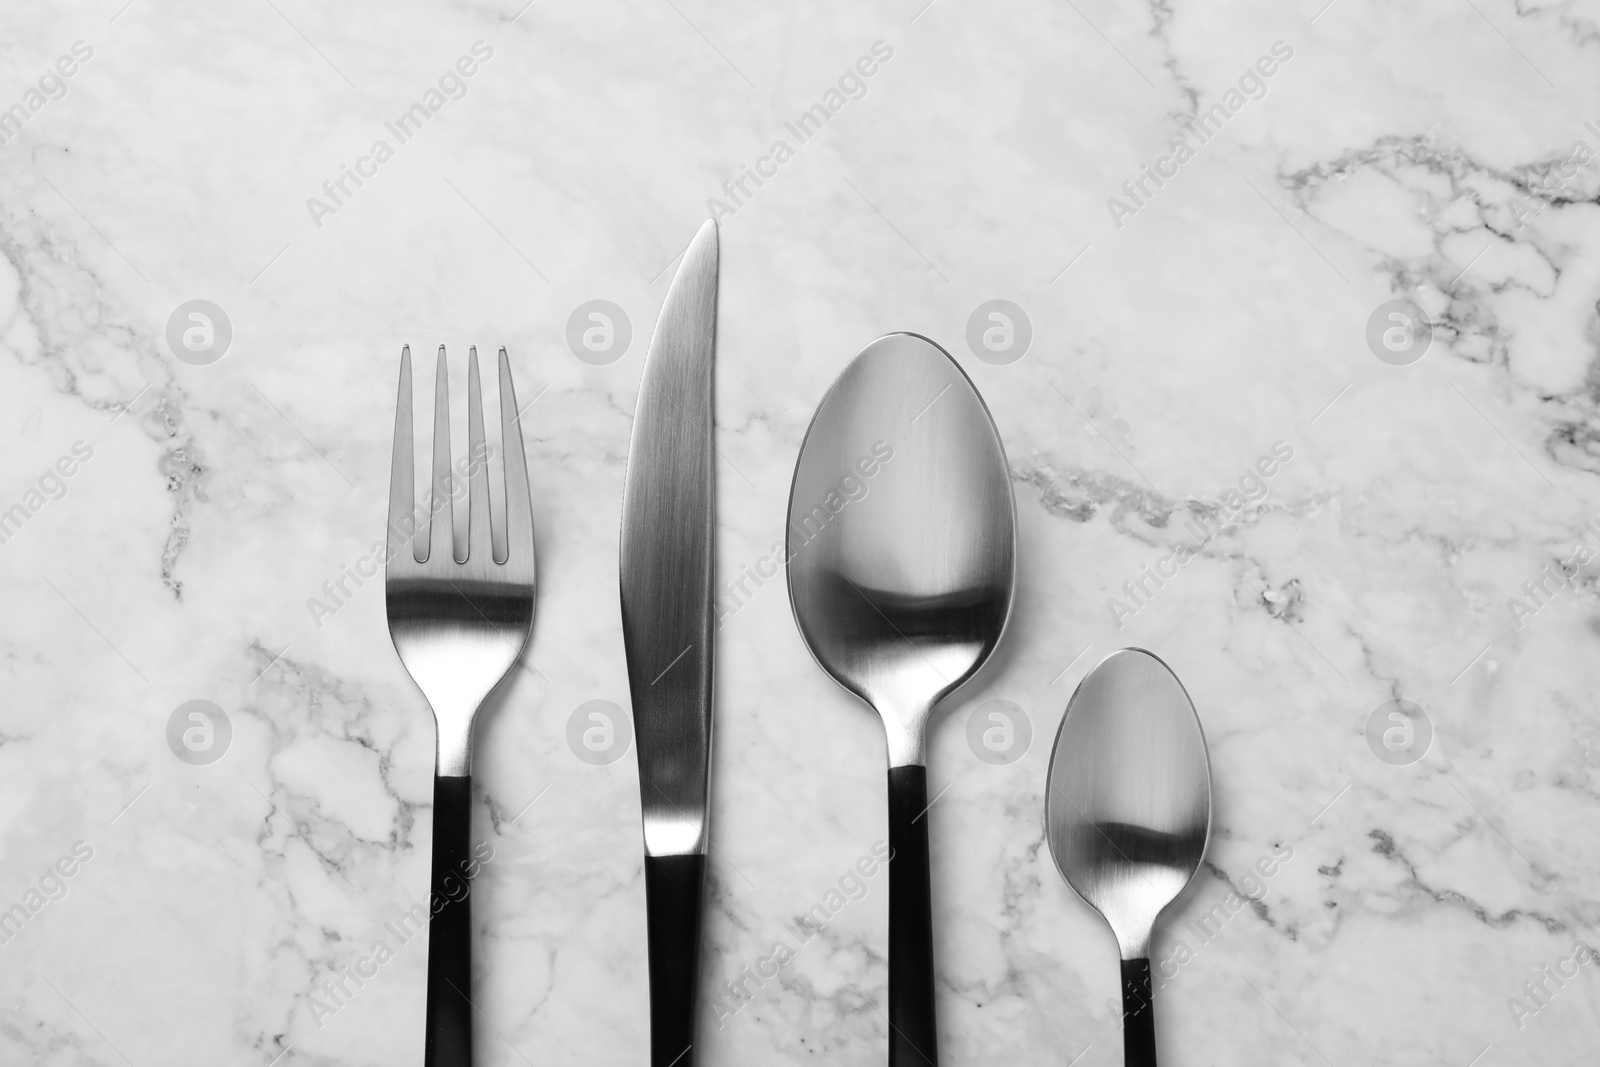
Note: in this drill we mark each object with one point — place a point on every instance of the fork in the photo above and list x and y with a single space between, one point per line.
459 626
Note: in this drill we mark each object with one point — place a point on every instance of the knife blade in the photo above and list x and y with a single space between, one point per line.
667 581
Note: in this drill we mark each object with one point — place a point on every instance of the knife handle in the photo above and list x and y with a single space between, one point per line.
913 1029
674 887
1138 1015
449 1025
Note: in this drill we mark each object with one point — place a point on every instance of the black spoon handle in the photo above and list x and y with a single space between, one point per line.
674 887
449 1025
1138 1015
913 1030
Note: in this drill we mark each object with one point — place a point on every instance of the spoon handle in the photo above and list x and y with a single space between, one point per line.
913 1032
1138 1015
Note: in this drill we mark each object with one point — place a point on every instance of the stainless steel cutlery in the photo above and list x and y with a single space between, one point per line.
1128 812
667 570
901 591
459 621
900 550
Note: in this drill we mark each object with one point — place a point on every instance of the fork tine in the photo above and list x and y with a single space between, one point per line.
402 490
480 543
519 506
441 528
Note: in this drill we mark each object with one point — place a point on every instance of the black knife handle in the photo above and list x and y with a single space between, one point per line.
674 887
913 1029
449 1025
1138 1015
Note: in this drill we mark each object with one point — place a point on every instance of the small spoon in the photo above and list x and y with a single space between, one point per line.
901 555
1128 812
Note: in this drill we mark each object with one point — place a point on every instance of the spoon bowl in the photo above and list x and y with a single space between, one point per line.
901 537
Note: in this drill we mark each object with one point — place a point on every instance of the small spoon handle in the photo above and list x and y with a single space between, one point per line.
913 1030
1138 1015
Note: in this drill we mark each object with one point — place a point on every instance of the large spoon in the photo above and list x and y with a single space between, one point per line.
901 557
1128 811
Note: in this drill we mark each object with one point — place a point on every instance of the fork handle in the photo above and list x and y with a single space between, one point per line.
913 1026
449 1025
674 887
1138 1015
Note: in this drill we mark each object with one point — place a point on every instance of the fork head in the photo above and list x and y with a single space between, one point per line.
459 625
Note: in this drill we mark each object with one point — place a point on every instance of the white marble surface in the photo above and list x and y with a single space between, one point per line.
1224 315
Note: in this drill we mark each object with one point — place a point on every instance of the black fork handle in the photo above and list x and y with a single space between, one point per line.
449 1025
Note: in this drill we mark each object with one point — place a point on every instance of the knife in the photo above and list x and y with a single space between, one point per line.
667 576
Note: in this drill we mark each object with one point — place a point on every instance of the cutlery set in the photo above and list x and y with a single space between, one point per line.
901 592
